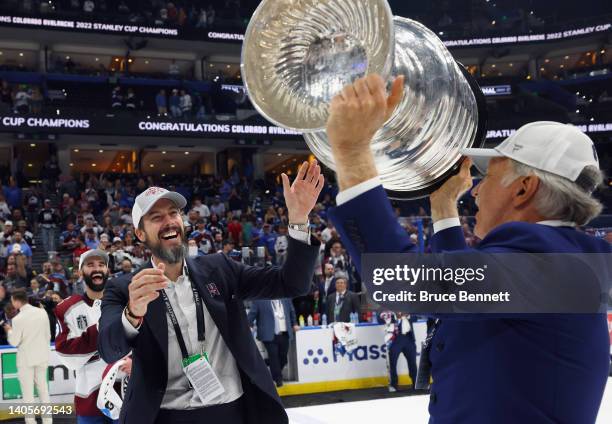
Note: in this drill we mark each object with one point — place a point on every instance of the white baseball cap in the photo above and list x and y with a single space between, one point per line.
95 253
145 201
560 149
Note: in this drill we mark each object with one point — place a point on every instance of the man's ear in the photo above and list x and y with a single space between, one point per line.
525 190
140 235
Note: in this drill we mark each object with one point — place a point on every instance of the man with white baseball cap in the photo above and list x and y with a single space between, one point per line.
560 149
77 344
537 189
183 317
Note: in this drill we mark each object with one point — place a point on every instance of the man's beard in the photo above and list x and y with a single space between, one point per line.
90 283
173 255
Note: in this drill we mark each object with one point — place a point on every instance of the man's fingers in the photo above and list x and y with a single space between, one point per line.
315 176
375 83
286 184
146 279
348 93
302 171
311 170
362 90
320 183
397 92
148 271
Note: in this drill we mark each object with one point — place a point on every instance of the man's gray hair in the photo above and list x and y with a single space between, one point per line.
560 198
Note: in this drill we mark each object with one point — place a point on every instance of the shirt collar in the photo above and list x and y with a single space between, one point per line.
557 223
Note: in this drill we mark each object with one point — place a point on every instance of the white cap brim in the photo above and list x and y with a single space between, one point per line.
481 157
177 198
95 253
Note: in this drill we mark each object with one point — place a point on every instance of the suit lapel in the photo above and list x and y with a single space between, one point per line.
214 302
157 322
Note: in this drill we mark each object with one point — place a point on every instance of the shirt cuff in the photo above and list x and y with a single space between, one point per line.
302 236
356 191
445 224
130 330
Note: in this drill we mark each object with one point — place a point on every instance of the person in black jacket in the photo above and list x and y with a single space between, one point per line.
343 303
194 358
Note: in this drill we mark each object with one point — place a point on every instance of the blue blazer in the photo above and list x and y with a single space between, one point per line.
262 312
486 369
234 282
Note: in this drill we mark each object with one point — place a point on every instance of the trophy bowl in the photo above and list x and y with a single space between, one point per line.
298 54
443 111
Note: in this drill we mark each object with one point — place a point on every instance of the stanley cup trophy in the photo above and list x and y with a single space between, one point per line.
298 54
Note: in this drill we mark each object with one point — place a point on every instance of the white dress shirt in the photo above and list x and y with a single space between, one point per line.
280 321
178 395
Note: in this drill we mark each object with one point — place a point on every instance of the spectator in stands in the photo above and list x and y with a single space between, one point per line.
327 285
4 301
44 278
12 279
20 246
27 235
186 104
91 240
173 69
88 6
337 255
30 333
217 207
6 95
268 239
36 100
175 104
123 8
35 290
201 208
126 268
5 212
32 206
276 324
210 15
117 98
193 249
343 303
202 21
161 102
59 278
13 194
48 221
7 233
69 238
22 100
281 244
130 100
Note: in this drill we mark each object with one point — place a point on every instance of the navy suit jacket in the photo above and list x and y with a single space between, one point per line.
262 312
235 282
487 369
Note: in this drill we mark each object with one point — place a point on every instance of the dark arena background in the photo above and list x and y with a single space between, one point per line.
101 99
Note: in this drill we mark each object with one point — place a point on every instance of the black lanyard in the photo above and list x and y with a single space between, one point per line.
177 329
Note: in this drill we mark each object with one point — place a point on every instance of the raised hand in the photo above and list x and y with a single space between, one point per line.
444 200
359 111
302 195
144 289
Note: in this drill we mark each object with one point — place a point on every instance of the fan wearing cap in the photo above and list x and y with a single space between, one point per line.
77 344
194 358
537 189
